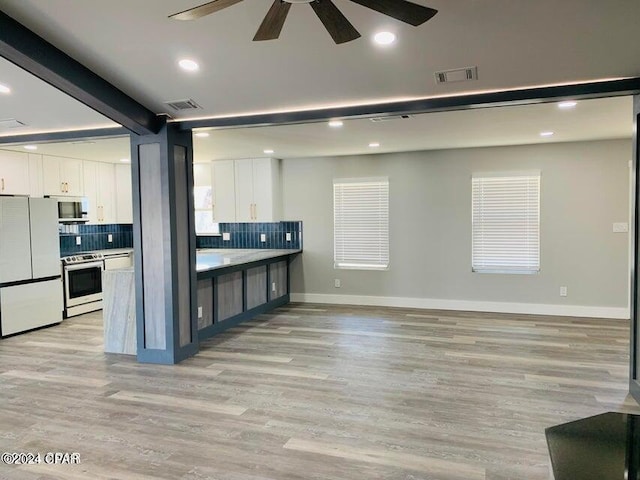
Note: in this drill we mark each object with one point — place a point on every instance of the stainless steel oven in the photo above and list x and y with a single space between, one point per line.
82 283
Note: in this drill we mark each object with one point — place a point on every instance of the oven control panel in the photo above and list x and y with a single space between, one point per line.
82 258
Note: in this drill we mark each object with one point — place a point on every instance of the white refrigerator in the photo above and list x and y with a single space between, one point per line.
31 293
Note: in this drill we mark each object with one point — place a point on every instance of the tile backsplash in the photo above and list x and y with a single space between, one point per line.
251 235
95 237
241 235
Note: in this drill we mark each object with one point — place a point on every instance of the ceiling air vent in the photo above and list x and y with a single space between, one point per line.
11 123
187 104
457 75
389 118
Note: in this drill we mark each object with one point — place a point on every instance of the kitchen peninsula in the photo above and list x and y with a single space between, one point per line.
234 285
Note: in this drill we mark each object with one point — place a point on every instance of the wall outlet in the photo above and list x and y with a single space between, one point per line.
263 237
337 283
110 238
563 291
226 236
620 227
199 312
273 287
288 236
78 240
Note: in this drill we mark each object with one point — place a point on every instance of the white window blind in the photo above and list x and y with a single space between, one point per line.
506 223
361 223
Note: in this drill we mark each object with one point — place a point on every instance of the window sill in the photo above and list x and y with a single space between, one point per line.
361 267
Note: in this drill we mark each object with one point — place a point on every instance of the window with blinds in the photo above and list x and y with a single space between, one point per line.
506 223
361 223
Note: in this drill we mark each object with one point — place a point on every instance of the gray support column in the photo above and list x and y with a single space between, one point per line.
164 244
634 367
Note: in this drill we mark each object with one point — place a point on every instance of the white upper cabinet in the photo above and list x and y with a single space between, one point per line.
124 205
99 188
36 188
224 192
14 173
62 176
244 190
258 195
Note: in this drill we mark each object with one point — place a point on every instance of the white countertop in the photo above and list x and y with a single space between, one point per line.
212 258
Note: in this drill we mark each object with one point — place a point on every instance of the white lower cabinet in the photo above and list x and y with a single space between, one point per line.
20 312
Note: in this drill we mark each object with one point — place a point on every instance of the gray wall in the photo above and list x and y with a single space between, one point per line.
584 189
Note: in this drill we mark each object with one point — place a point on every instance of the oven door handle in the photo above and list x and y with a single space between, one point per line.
83 266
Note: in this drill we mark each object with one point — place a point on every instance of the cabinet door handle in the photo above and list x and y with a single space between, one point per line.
213 211
3 184
62 187
255 211
66 186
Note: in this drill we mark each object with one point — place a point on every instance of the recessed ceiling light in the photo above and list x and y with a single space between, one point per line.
374 144
567 104
125 160
384 38
268 151
202 134
4 89
31 147
188 65
335 123
546 134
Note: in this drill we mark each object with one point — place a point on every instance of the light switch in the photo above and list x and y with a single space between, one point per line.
226 236
263 237
78 240
199 312
288 236
620 227
110 238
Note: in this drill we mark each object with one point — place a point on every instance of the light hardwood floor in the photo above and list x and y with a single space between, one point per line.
314 392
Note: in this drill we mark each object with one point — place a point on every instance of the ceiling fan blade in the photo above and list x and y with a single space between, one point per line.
334 21
271 26
204 9
402 10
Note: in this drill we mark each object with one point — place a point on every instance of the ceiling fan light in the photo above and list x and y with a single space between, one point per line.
384 38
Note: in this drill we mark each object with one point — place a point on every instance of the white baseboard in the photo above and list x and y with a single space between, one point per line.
465 305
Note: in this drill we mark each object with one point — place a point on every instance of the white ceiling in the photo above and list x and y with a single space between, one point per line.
589 120
134 45
40 106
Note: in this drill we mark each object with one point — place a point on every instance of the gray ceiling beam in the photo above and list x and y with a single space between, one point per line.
34 54
525 96
64 136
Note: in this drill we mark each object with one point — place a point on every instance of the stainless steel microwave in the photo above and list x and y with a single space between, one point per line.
73 210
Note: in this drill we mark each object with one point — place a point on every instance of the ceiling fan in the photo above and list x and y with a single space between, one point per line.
334 21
